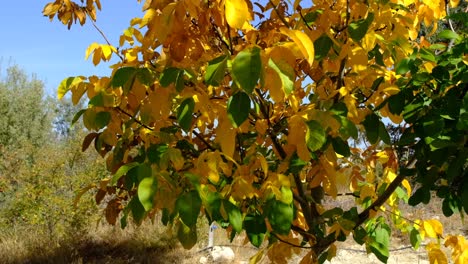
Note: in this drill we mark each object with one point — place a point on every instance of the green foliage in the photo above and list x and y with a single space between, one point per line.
238 108
42 168
246 69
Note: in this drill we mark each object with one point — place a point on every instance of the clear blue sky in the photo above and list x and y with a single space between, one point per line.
49 49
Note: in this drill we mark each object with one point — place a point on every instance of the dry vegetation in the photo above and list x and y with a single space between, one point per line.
154 243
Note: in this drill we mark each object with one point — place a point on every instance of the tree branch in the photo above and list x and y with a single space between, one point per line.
134 118
208 145
289 243
103 35
275 7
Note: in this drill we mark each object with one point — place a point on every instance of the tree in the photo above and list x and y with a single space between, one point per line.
244 111
40 169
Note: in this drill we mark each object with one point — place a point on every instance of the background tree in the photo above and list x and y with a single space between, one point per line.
42 169
244 110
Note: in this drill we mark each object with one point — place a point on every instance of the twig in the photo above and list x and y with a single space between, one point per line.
447 10
103 35
289 243
208 145
305 22
275 7
134 118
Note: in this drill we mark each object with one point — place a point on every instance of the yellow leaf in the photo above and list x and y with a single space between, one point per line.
97 56
303 41
358 59
407 186
175 156
78 91
433 228
436 256
91 49
368 42
297 135
382 157
107 51
273 82
454 3
226 137
308 258
67 84
148 17
237 13
257 257
51 9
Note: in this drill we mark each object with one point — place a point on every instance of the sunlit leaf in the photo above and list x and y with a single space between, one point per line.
246 68
303 41
216 70
146 191
234 215
315 136
237 13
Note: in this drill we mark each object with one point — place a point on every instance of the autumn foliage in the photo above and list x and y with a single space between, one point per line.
248 112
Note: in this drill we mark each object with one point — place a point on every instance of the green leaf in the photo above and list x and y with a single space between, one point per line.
96 121
246 69
372 124
403 66
358 29
123 76
185 112
441 74
396 103
296 164
448 34
234 215
383 133
415 238
156 151
146 191
286 74
168 76
321 46
180 81
450 206
380 247
348 128
216 70
77 116
187 235
255 228
341 147
212 204
359 235
66 85
238 108
286 195
421 195
315 136
188 205
122 171
280 216
138 211
145 76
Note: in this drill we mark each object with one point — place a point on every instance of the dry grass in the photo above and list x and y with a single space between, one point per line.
147 244
154 243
